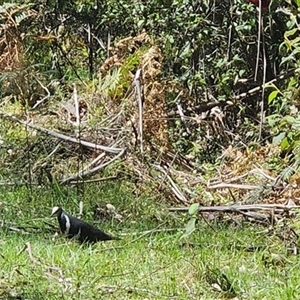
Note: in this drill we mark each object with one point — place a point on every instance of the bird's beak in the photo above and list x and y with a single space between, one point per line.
55 210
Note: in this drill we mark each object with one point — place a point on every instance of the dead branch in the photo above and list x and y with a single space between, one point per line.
238 208
65 137
175 189
207 107
137 83
269 83
82 174
45 98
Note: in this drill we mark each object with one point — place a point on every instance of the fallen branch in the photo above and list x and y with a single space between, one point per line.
82 174
213 103
175 189
65 137
238 207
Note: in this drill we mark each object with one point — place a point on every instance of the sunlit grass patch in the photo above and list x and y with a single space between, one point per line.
151 261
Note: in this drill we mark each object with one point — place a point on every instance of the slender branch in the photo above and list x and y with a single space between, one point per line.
94 180
269 83
65 137
238 207
137 84
76 104
43 99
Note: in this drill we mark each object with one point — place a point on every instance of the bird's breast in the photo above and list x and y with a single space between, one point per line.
65 224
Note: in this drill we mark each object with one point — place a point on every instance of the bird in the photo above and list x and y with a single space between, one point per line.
72 227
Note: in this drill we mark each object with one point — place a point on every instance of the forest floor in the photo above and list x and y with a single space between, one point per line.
219 260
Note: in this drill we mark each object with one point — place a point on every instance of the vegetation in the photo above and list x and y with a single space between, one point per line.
146 107
151 261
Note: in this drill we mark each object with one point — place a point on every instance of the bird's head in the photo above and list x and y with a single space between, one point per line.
56 210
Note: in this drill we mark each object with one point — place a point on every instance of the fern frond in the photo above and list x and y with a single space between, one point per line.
110 82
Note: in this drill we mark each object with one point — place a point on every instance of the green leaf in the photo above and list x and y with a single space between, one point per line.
140 23
272 96
291 120
290 32
190 226
285 144
194 209
278 138
291 136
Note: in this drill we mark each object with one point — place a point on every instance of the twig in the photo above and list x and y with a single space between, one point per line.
43 99
88 167
76 103
94 180
225 185
144 233
163 179
29 251
100 42
80 208
258 39
17 230
49 269
50 225
262 218
182 117
258 171
264 74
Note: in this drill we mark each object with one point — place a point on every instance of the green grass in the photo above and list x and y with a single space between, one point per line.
212 264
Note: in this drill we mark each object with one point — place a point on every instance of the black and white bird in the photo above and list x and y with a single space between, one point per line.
75 228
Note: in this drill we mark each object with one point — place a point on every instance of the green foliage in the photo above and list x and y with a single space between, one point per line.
285 121
110 84
193 215
209 53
